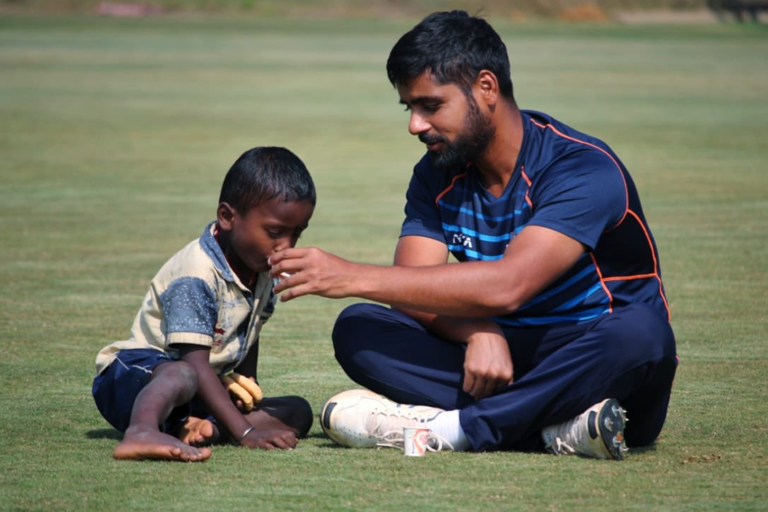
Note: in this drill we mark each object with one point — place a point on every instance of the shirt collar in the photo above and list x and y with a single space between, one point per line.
213 250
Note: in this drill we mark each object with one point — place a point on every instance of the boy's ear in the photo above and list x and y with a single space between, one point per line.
225 215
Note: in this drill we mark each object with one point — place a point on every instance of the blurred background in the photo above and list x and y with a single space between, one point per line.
517 10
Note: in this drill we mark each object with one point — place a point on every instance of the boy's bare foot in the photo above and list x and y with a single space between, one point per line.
152 444
198 432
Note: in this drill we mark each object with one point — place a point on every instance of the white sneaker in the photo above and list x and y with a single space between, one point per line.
597 433
360 418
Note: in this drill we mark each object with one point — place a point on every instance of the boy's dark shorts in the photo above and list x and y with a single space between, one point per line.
116 388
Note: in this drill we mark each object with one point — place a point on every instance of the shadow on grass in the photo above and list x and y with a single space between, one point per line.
110 433
104 433
650 449
328 442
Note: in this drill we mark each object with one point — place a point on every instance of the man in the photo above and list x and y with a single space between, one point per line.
553 324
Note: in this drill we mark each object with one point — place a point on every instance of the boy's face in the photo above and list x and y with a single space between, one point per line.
272 226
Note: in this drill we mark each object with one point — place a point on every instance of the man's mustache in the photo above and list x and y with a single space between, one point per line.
427 139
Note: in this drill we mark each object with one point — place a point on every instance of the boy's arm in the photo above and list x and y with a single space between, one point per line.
211 392
216 399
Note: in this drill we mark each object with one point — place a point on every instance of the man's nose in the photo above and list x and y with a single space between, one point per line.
417 124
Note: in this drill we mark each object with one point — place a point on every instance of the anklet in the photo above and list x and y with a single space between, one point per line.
247 431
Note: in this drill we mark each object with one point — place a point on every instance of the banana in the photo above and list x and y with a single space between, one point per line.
239 391
249 385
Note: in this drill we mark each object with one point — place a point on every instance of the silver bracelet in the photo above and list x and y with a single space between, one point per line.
247 431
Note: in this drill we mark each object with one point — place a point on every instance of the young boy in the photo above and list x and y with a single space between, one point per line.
201 320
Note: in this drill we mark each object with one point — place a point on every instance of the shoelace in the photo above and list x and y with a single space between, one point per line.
563 447
394 422
393 438
573 438
566 446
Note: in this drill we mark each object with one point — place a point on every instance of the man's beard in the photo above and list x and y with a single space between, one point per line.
469 145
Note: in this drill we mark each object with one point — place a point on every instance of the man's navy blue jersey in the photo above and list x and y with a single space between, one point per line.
563 180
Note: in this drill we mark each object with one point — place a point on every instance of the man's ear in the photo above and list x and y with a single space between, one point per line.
487 85
225 215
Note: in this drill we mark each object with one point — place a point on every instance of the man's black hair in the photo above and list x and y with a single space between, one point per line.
454 47
265 172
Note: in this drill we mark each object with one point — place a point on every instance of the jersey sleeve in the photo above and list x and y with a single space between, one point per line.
422 217
190 311
581 196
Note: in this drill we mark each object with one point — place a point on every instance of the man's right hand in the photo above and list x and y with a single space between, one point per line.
487 364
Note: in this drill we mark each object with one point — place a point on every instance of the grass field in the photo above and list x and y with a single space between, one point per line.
115 136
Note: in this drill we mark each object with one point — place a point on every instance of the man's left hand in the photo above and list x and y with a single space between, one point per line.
487 364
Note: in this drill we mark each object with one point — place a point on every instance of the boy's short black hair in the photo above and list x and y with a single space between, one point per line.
265 172
454 47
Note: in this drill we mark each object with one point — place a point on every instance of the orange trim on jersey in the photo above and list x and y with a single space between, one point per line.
448 189
629 278
525 176
655 264
602 282
626 190
528 181
655 273
627 211
664 298
648 239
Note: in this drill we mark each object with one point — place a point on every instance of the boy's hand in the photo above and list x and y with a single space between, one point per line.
240 395
244 390
270 439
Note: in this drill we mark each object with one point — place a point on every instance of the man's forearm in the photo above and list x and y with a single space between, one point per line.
450 290
534 259
451 328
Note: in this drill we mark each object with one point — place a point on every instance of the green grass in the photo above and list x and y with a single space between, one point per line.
115 136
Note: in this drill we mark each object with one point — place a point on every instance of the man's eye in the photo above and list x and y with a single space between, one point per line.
274 234
407 108
431 107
